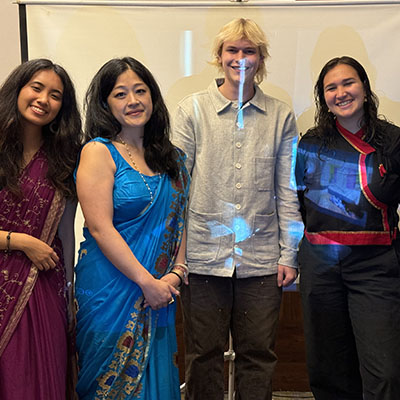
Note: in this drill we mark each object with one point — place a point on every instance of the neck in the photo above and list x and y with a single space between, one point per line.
132 138
352 126
32 138
231 92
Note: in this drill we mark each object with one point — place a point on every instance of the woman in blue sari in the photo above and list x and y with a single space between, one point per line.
132 186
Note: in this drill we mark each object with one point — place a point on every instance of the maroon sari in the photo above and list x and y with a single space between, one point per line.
33 308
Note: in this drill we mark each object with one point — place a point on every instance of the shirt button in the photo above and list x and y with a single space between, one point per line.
238 185
238 145
238 165
238 206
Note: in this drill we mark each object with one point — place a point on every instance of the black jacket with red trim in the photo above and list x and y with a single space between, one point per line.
349 193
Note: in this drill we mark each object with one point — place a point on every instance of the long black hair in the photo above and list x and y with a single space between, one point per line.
159 153
62 136
325 121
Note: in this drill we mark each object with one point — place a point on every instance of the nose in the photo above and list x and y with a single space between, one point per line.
341 91
132 98
43 97
241 56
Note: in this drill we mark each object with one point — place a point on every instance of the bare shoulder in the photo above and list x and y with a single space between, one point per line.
96 156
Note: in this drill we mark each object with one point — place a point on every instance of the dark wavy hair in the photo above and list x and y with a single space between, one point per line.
159 153
325 121
62 137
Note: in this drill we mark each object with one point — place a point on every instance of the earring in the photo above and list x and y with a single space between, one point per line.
53 127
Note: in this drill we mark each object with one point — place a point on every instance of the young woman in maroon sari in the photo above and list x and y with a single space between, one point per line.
40 131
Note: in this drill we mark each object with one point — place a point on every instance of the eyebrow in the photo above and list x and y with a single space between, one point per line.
127 87
344 81
245 48
41 85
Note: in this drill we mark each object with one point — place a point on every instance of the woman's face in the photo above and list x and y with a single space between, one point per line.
344 94
130 101
40 100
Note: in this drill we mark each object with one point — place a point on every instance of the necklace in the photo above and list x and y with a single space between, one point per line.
137 168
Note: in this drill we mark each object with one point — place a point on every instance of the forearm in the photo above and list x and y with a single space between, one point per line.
287 204
10 240
120 255
181 256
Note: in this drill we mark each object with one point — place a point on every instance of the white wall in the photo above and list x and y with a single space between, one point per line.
175 42
9 38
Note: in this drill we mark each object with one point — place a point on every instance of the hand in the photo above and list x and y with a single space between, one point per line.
40 253
158 293
172 279
182 267
286 275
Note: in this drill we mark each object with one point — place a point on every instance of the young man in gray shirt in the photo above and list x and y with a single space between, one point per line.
243 222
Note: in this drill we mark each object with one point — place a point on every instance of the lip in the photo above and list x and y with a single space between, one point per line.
134 113
344 104
237 68
38 110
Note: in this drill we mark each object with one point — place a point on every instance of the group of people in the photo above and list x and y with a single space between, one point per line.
227 245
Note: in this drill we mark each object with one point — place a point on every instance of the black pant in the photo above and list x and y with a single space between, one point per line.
250 308
351 303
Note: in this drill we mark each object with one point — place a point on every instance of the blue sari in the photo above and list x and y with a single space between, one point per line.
127 351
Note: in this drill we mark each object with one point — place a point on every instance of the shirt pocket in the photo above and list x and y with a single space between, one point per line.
264 173
204 236
266 238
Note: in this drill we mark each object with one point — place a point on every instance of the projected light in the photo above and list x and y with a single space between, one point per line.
242 68
186 53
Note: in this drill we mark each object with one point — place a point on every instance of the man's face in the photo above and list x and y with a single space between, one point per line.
240 56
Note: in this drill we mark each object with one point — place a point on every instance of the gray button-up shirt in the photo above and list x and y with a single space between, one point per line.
243 208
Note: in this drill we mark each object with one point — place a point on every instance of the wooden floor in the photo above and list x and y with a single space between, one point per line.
290 373
283 396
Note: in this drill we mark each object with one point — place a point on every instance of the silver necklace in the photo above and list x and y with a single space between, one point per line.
137 168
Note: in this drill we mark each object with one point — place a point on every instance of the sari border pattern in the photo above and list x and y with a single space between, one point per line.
49 230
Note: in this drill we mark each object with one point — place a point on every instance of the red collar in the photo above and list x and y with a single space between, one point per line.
355 139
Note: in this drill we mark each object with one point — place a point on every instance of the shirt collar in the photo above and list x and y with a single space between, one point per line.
220 102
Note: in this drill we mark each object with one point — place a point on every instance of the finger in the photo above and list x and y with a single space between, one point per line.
286 282
173 290
279 278
54 257
39 266
46 266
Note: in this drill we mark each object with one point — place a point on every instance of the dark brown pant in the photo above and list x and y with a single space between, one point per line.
250 309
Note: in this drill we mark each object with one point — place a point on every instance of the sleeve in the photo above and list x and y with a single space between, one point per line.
392 151
290 223
299 174
183 136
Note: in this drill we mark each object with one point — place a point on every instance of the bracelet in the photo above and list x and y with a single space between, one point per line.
8 238
180 278
183 268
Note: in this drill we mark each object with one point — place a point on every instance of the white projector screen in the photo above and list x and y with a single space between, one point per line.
173 39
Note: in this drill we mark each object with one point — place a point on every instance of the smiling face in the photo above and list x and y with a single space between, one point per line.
230 59
344 95
130 101
40 100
